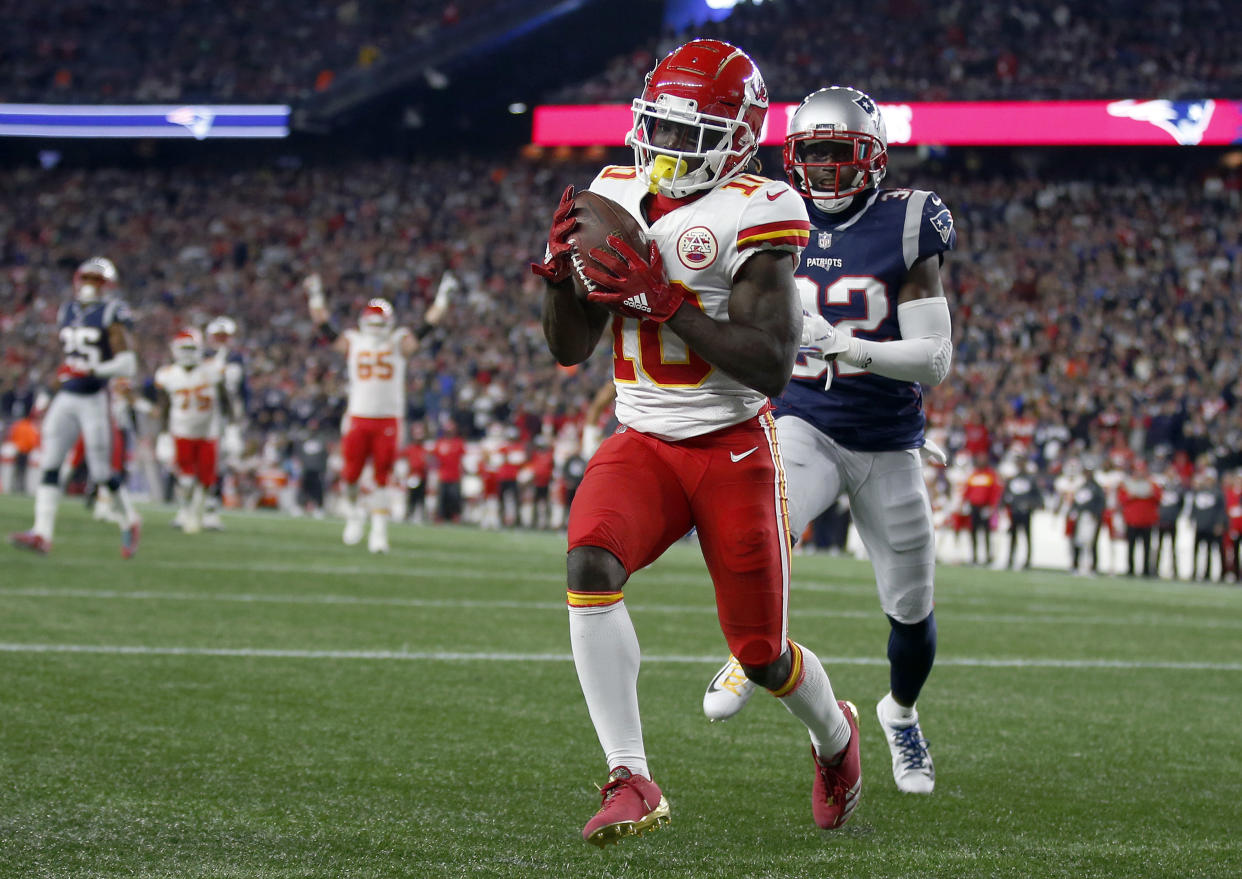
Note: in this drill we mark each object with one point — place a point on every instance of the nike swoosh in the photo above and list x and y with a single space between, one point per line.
734 457
773 196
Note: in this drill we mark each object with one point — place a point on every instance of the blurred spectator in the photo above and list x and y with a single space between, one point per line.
1138 498
312 452
24 435
1233 509
1022 497
1085 520
1172 503
982 497
1211 519
449 450
416 466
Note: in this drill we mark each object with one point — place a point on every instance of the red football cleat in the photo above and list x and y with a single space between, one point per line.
838 782
632 806
129 540
31 541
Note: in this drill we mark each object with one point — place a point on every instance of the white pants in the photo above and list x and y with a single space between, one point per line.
888 502
71 414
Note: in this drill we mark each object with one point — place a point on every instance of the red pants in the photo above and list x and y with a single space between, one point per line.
197 458
641 494
374 438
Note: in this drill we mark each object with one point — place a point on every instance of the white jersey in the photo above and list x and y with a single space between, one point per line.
195 398
663 388
376 374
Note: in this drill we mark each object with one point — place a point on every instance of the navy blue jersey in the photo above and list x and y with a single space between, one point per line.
234 369
852 272
84 338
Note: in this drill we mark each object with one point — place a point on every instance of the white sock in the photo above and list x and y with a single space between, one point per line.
607 657
813 702
896 713
47 497
197 499
122 503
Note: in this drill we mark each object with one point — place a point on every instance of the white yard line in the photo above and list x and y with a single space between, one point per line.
638 606
443 656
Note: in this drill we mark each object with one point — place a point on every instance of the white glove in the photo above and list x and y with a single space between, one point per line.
231 442
821 339
933 454
313 285
449 285
165 449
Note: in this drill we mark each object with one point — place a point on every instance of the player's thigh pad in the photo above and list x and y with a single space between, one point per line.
893 515
96 423
384 450
812 470
61 430
355 446
738 508
631 501
206 462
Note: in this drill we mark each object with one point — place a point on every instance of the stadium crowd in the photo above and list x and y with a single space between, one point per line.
961 50
1094 317
276 50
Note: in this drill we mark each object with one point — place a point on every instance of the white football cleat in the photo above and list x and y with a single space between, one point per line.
355 527
728 692
212 522
912 763
377 540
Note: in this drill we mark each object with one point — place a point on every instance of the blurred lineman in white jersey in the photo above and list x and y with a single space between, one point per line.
376 354
193 402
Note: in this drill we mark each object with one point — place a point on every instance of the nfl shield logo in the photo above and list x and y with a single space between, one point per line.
825 240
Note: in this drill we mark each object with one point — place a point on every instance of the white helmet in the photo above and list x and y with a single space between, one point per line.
846 117
377 317
92 278
221 329
187 347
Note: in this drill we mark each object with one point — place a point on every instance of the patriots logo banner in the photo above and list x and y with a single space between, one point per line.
1184 121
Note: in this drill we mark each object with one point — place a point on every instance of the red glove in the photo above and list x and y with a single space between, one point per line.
67 371
556 265
631 287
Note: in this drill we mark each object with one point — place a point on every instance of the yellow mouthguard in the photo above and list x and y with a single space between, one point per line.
665 168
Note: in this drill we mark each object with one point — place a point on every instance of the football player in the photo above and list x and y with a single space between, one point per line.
221 336
705 327
94 330
876 330
376 355
193 400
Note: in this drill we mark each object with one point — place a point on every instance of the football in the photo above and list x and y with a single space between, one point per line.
598 217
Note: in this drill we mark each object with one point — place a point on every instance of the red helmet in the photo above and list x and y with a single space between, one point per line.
187 347
377 317
700 118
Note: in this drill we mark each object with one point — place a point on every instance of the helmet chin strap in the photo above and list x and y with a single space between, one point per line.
88 293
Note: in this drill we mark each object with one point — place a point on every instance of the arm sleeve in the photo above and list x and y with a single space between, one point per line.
123 364
923 354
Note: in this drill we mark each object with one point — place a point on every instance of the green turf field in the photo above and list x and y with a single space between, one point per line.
266 702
